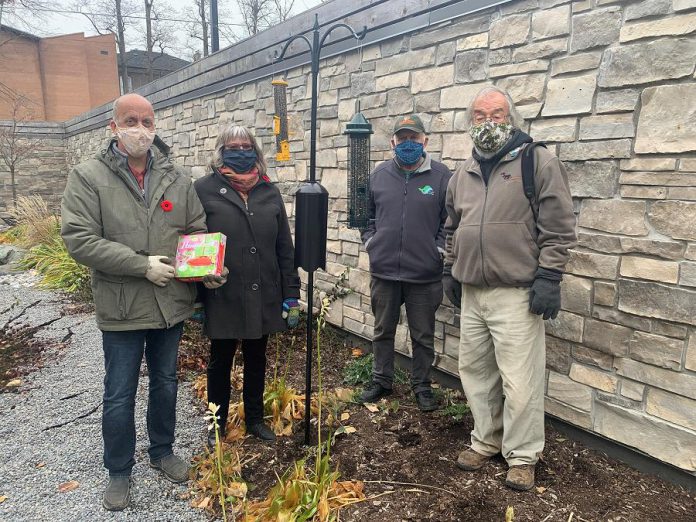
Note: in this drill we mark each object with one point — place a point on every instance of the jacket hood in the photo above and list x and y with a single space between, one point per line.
159 150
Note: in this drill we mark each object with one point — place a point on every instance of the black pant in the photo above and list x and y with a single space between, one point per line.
422 301
219 366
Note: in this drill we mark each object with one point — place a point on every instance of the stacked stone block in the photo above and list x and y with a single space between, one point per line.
610 86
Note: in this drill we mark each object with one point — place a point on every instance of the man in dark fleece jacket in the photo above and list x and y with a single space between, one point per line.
405 241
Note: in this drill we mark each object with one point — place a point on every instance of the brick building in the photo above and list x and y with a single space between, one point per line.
61 76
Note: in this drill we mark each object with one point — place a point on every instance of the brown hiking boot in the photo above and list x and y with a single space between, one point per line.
470 460
520 477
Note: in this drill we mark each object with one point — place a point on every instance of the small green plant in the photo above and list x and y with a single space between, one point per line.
358 372
217 481
455 406
212 418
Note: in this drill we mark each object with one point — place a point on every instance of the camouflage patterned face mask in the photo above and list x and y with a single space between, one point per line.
490 136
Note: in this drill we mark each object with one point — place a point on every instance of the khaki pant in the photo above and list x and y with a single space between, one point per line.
502 358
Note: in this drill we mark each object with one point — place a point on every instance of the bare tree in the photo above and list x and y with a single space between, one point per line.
111 16
283 9
15 145
25 14
197 25
159 34
257 14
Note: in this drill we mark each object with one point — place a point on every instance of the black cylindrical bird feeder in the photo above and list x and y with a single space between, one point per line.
311 219
358 131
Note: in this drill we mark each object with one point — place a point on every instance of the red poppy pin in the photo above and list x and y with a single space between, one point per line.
166 205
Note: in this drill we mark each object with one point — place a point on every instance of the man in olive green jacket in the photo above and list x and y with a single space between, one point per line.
122 214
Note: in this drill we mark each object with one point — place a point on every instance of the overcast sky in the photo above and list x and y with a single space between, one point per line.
60 18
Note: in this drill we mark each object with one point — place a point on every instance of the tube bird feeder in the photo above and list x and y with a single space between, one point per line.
280 119
358 131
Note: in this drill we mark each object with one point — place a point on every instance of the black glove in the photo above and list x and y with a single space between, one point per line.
452 288
545 294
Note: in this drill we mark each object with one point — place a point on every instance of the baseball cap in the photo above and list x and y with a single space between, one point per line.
411 122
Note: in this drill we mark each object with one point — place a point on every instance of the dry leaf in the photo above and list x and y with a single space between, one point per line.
345 416
68 486
40 464
371 407
204 503
350 429
357 352
13 383
3 498
344 394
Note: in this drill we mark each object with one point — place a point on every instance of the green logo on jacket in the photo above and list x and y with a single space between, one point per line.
427 190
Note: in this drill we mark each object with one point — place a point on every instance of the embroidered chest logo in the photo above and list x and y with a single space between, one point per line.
427 190
509 177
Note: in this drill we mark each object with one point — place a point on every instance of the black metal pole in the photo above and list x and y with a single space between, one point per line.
315 50
214 35
312 179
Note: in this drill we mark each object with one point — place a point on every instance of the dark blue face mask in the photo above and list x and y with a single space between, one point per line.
239 161
409 152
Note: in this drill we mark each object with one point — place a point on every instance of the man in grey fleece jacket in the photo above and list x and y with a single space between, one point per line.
405 242
505 260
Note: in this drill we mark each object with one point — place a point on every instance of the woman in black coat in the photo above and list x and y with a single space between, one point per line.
262 286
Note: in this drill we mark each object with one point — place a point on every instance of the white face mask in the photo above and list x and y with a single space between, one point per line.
136 140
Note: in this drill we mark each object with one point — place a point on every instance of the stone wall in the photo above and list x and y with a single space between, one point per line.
610 85
44 172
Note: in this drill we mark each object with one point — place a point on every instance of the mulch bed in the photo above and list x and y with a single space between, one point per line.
407 460
21 352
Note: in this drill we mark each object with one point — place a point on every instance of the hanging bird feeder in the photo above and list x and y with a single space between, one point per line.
280 119
358 131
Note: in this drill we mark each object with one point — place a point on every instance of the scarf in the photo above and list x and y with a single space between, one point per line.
242 183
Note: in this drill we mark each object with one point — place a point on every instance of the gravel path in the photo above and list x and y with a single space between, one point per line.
35 461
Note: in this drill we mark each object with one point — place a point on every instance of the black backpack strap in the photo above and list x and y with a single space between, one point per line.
528 169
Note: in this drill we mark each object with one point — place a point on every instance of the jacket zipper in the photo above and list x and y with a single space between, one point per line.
483 214
403 219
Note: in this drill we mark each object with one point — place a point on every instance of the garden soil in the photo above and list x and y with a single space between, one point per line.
407 461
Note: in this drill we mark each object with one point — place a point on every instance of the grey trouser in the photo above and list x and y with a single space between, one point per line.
502 357
422 301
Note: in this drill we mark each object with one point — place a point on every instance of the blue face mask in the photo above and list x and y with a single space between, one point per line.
409 152
239 160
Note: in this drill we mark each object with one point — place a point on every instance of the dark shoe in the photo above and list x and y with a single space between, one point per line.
117 494
173 468
426 400
211 438
520 477
470 460
374 392
261 431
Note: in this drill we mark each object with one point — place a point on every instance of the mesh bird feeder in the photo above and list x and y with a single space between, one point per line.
358 131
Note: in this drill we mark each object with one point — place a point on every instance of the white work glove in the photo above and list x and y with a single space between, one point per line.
211 282
159 270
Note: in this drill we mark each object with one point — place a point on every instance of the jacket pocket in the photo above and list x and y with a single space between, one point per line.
466 248
510 254
110 300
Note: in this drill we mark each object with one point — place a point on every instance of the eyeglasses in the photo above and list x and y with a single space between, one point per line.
496 117
244 146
